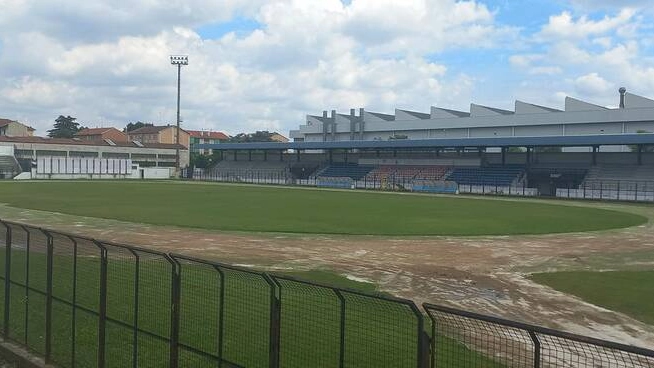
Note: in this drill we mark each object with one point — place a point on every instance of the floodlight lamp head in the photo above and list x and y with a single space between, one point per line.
179 59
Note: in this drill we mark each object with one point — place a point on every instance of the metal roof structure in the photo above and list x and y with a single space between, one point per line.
560 141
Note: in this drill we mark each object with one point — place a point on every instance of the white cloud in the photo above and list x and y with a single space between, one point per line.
546 70
306 56
564 26
107 61
75 22
592 84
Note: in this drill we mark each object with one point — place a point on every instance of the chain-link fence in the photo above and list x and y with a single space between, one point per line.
79 302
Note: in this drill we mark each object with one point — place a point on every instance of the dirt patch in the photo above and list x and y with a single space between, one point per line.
485 274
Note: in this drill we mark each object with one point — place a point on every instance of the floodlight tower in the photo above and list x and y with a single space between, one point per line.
178 60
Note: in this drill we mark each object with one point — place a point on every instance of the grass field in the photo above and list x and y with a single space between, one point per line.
294 210
629 292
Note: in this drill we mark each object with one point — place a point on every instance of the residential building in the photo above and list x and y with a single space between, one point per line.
12 128
159 134
99 134
276 137
205 137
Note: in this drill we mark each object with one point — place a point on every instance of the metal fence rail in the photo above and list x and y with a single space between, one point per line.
466 339
391 183
79 302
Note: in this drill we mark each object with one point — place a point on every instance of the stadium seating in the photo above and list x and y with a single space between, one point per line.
560 177
433 172
603 173
407 172
252 168
8 167
304 170
348 170
491 175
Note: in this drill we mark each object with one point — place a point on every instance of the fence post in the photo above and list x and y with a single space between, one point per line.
221 316
74 305
175 295
341 358
536 342
48 296
135 335
7 278
102 315
28 242
275 319
424 343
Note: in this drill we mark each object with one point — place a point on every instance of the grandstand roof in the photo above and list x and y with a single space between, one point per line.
570 141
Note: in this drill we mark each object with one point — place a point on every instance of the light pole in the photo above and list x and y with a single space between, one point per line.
178 60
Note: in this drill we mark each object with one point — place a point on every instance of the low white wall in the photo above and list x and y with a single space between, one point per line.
23 176
623 195
156 173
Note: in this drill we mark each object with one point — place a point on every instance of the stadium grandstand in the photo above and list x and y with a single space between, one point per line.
21 155
533 150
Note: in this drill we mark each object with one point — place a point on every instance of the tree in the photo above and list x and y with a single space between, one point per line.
258 136
200 161
551 149
634 147
134 126
64 127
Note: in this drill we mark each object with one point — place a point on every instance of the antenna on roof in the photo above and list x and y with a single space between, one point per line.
622 91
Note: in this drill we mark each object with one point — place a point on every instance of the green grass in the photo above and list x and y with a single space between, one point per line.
293 210
378 332
628 292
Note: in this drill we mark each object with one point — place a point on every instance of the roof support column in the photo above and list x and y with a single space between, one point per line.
297 155
595 149
331 156
249 155
528 161
235 158
377 153
281 155
265 155
503 156
640 154
345 155
394 153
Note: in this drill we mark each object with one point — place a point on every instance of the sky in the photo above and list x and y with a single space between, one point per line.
266 64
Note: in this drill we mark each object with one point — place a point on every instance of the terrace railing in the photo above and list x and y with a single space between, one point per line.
81 302
390 183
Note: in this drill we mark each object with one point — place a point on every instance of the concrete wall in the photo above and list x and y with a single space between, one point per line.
156 155
16 129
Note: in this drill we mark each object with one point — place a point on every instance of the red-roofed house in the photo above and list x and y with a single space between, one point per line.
99 134
159 134
12 128
206 137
